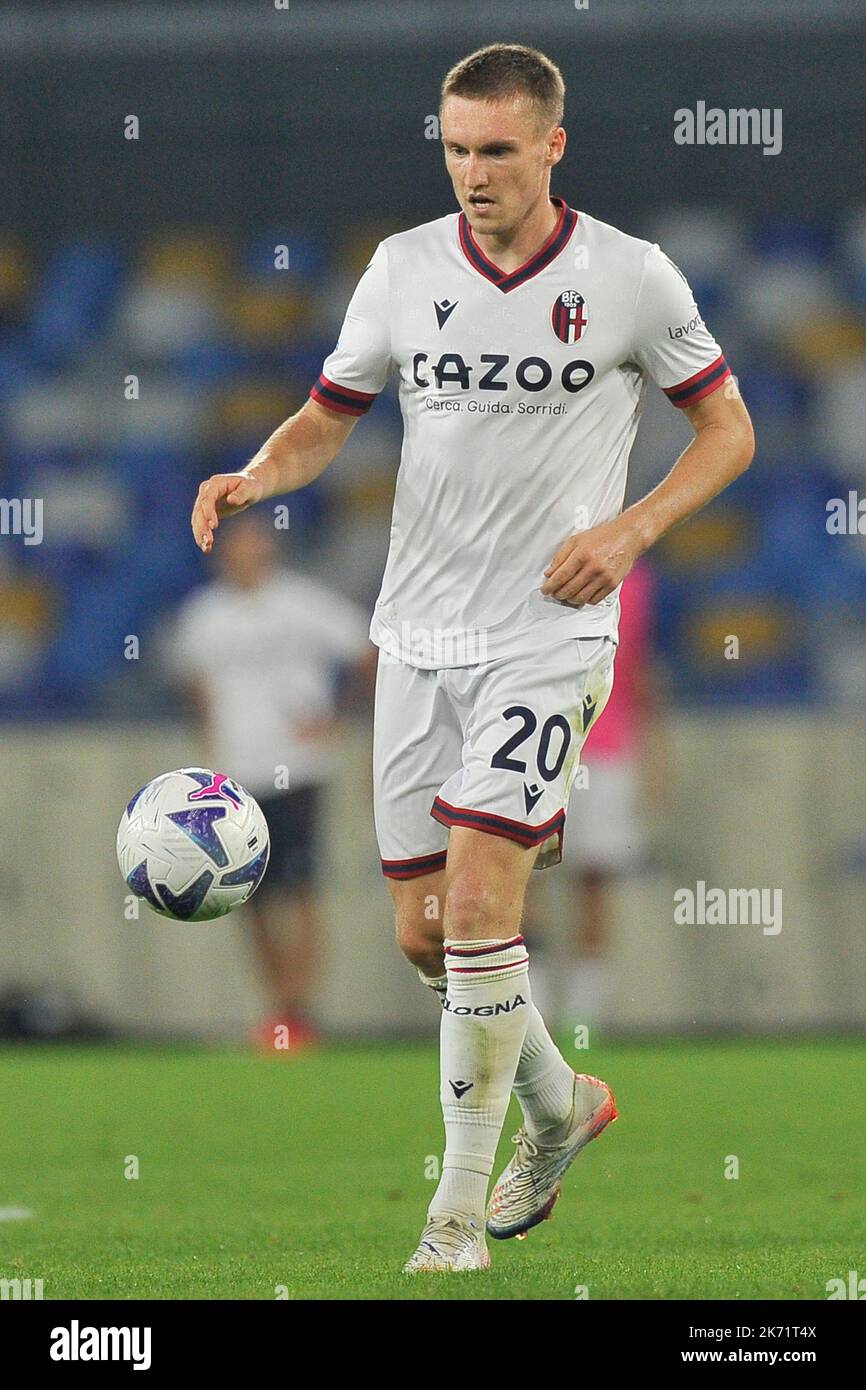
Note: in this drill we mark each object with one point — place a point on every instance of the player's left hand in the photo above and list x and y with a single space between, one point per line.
587 567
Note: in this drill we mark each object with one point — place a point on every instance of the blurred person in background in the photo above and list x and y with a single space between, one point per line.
606 826
261 652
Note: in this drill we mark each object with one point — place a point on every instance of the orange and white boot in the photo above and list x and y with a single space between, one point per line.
529 1187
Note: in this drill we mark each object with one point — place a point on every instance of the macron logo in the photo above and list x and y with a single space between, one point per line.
444 310
77 1343
461 1087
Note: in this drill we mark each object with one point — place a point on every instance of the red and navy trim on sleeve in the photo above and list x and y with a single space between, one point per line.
705 381
416 866
342 398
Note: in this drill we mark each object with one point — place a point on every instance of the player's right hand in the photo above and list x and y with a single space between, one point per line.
224 494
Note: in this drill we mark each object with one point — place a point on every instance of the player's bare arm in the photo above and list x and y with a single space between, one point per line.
590 565
293 456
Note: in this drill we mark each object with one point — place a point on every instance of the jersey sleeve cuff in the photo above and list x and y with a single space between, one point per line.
694 388
343 399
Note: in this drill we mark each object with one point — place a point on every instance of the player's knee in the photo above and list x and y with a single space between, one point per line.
418 920
473 907
419 944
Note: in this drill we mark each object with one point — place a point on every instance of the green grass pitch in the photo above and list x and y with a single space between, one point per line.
312 1172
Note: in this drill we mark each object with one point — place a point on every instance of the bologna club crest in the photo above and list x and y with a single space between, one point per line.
569 317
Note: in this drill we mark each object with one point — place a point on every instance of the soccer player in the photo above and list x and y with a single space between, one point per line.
523 333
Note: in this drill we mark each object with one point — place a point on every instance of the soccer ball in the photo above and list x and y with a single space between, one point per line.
193 844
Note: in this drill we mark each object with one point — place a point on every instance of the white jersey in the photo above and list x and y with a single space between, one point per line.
521 395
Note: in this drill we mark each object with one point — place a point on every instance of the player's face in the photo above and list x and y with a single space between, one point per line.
498 159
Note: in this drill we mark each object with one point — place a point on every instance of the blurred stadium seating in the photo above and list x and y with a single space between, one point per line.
228 344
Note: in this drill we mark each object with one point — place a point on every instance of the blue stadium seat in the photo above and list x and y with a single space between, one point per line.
307 260
207 363
796 237
18 366
73 301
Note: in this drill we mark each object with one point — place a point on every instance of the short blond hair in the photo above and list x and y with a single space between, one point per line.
510 69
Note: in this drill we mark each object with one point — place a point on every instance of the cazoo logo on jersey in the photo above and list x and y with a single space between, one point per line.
451 373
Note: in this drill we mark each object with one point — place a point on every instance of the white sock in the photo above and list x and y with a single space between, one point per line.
483 1023
438 984
543 1083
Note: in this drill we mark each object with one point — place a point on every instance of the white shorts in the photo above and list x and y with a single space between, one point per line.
605 827
494 746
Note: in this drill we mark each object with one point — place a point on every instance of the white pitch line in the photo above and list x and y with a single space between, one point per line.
15 1214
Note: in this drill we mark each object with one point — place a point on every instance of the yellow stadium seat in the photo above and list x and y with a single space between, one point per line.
255 408
712 539
264 316
14 274
360 243
826 342
765 632
27 607
188 255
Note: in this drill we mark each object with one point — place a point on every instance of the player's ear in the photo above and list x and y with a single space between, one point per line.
556 144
